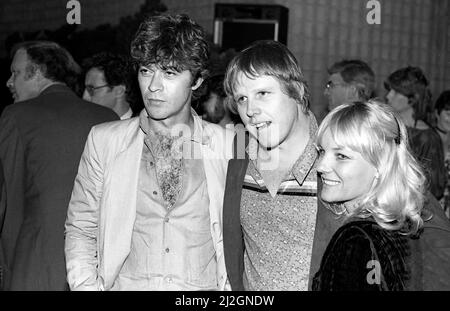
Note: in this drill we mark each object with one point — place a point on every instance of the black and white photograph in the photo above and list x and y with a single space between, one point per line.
225 153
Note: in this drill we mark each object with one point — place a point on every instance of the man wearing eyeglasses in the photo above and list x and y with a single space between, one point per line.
349 81
109 83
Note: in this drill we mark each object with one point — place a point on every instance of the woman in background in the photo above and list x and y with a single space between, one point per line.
409 96
442 110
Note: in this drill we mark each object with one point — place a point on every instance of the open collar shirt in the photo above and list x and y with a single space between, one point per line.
278 231
172 247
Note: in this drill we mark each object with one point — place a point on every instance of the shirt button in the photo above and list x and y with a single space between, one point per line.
166 219
167 250
155 192
151 163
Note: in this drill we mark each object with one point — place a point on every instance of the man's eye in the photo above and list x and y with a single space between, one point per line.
170 73
263 93
240 100
144 71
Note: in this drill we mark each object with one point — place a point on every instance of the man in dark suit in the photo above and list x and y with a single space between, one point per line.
42 136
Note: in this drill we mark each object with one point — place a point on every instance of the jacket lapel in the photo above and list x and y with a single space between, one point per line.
119 206
232 231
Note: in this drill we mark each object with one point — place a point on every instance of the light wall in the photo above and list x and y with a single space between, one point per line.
412 32
321 32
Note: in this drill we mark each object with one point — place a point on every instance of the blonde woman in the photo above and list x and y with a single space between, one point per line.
371 179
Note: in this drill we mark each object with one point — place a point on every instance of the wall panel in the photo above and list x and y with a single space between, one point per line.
412 32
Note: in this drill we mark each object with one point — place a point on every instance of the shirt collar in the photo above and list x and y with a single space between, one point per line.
127 114
51 84
305 161
198 136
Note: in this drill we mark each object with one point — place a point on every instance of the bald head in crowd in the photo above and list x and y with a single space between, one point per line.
38 64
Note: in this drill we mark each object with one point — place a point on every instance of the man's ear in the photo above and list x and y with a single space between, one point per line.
197 83
38 77
354 92
33 71
119 90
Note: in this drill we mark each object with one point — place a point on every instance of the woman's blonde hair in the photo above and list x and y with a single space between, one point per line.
372 129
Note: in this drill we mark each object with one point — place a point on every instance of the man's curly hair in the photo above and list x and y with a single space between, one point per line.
176 42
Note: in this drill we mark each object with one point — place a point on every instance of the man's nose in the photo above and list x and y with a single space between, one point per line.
9 83
86 95
252 108
155 82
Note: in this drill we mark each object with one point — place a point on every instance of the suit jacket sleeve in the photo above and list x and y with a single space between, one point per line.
12 156
2 198
2 215
81 228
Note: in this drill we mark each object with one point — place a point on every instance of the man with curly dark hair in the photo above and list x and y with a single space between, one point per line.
146 208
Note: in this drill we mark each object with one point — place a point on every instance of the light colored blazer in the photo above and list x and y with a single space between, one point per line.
102 208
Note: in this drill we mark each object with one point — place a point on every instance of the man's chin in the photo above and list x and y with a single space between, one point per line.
156 115
268 145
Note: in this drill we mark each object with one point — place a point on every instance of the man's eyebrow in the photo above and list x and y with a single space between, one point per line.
172 67
264 88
